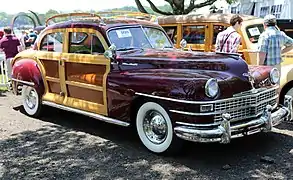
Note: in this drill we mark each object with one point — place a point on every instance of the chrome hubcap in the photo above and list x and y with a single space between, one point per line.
31 99
155 127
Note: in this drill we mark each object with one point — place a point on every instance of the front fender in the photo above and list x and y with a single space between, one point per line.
27 70
286 75
171 83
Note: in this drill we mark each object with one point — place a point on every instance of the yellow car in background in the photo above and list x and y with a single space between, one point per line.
200 32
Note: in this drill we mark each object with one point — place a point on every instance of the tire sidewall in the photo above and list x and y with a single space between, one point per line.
157 148
34 111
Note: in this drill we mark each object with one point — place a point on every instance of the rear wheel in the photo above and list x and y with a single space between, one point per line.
31 101
155 129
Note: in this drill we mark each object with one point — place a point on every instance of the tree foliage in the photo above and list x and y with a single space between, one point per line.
177 6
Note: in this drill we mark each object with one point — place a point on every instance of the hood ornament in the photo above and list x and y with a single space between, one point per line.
250 79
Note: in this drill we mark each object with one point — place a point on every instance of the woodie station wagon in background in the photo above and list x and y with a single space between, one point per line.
126 72
200 32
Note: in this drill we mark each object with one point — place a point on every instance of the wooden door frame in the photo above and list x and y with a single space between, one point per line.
98 60
53 97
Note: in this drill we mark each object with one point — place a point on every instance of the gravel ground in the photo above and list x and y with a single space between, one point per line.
63 145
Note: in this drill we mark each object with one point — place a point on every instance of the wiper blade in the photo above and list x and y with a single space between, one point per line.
128 48
169 47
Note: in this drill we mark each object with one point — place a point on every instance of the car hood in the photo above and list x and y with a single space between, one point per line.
177 59
184 66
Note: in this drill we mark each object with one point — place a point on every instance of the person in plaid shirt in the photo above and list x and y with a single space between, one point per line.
228 41
271 42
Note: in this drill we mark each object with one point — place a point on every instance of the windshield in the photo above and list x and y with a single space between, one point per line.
254 31
139 37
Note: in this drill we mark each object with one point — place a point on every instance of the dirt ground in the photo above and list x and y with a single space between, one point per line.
63 145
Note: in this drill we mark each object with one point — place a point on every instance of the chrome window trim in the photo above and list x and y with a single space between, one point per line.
205 102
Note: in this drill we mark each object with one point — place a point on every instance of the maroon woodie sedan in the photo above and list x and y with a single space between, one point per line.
126 72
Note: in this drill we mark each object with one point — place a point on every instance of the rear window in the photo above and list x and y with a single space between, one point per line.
254 31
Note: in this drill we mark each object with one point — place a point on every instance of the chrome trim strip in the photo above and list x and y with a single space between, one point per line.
89 114
198 125
223 111
23 82
205 102
190 113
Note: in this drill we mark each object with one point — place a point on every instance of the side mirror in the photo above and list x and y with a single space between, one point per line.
183 44
111 52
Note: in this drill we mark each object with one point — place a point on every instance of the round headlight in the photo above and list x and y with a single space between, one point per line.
274 75
211 88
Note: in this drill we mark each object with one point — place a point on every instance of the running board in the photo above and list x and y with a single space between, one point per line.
89 114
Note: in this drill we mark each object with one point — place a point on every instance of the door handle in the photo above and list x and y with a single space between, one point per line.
60 62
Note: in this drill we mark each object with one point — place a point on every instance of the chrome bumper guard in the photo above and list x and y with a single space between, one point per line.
224 132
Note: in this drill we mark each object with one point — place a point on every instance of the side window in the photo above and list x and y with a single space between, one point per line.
52 42
84 43
171 32
194 34
216 30
97 46
79 43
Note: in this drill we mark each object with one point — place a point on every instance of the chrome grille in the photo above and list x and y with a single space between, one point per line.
247 106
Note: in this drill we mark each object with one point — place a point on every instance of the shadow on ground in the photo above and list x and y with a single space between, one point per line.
2 93
78 147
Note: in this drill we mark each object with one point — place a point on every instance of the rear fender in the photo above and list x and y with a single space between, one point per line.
28 72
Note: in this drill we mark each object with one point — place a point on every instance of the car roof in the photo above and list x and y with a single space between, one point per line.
211 17
105 24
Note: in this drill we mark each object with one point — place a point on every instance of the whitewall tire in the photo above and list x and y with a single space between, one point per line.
31 101
290 92
155 128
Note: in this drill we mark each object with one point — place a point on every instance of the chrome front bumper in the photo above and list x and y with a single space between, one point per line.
224 131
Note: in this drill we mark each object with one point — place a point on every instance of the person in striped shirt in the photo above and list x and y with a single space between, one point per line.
229 40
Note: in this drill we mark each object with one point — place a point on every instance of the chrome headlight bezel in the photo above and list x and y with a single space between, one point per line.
274 76
212 88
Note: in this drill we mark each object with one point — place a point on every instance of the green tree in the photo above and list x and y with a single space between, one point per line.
51 13
177 7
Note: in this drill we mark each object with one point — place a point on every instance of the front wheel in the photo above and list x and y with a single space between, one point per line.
155 129
290 92
31 101
285 91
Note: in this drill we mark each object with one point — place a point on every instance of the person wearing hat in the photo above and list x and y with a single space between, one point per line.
272 43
